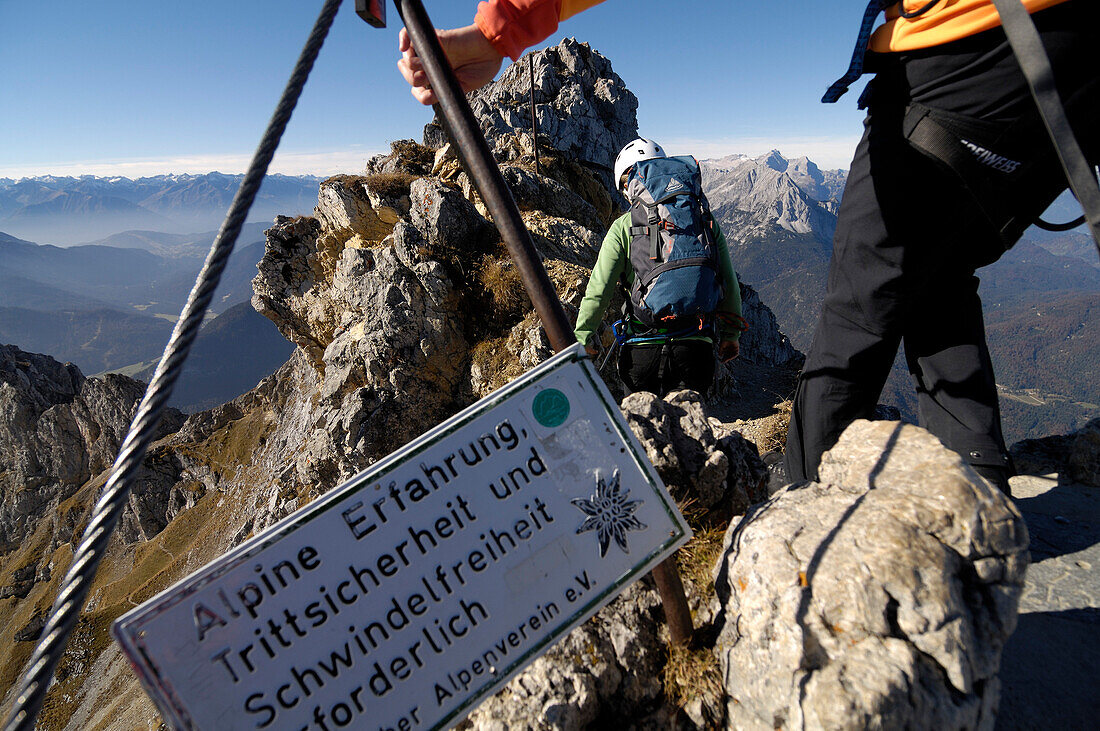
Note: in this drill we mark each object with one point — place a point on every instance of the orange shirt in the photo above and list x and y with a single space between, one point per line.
947 20
513 25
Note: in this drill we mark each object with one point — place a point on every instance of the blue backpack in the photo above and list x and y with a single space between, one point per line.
673 251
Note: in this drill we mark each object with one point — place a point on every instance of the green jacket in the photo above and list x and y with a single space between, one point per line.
613 263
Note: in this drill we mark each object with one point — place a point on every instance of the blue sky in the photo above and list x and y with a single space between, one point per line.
140 88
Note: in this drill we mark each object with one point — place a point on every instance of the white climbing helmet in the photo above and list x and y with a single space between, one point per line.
636 151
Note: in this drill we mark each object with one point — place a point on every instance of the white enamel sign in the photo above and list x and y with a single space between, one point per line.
420 586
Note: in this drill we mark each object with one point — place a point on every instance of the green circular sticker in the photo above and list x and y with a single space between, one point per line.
551 408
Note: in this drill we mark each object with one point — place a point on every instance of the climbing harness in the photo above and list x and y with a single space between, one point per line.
951 139
630 331
1028 47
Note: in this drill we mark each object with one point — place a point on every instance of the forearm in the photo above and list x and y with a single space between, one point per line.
601 285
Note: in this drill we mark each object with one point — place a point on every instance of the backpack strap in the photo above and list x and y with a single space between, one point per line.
652 229
1028 47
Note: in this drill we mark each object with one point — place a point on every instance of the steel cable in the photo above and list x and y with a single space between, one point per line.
74 587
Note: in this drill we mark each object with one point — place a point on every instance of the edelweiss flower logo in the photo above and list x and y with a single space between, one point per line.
609 513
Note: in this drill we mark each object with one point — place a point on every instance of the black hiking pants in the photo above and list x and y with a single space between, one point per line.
662 368
911 233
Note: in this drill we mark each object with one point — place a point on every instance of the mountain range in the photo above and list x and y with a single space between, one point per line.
110 307
68 210
403 304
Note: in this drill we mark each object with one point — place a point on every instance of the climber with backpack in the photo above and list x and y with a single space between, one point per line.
671 259
979 114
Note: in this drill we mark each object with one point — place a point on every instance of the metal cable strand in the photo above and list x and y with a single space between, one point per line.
74 587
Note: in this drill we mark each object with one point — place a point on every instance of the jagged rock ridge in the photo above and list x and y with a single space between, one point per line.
399 297
583 108
57 431
404 309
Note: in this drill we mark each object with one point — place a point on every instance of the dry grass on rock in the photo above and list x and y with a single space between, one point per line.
770 432
692 677
390 185
414 154
503 289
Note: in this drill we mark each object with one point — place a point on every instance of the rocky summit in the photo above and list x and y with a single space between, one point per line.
882 596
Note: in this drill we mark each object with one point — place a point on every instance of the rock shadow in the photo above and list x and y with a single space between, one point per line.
1062 520
1050 672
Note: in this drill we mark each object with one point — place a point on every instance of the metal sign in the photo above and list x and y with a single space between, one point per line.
420 586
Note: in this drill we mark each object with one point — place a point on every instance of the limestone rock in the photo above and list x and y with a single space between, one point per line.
562 239
584 109
693 463
763 343
447 221
166 487
1084 456
389 197
566 230
550 197
346 207
882 596
494 363
1075 456
283 291
406 156
396 362
749 474
57 430
435 138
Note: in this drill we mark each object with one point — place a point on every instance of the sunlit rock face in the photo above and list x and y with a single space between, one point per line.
881 595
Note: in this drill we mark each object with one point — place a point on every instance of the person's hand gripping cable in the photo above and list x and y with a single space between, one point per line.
473 58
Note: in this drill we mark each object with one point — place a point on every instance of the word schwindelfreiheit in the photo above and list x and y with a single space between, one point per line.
396 618
363 519
394 614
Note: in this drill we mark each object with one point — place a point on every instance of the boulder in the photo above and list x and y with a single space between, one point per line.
696 466
449 223
881 596
347 206
1084 456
